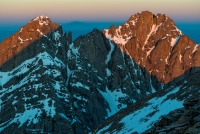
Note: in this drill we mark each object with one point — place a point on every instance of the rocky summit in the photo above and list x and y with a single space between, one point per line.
156 44
49 84
29 33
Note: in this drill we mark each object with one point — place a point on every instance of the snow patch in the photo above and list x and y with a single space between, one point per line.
21 40
180 57
50 110
40 32
20 29
176 29
78 84
42 20
56 35
149 52
118 38
108 72
40 17
112 47
153 31
72 51
30 115
195 49
64 116
113 100
103 129
175 40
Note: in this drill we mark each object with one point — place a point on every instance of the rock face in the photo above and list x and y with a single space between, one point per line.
156 44
35 29
54 85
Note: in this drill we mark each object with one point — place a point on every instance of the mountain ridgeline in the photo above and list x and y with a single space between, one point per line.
49 84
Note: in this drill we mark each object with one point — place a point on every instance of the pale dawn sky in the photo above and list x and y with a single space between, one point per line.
18 11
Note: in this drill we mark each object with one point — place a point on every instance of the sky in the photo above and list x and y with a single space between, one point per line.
20 11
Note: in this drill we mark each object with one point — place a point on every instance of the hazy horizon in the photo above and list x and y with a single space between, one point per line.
192 30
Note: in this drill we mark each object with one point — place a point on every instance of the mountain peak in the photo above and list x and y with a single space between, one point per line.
145 35
27 34
42 20
41 17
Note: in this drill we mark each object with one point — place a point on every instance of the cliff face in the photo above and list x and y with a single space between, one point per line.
156 44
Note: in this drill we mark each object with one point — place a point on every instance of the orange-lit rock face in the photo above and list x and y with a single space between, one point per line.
35 29
156 44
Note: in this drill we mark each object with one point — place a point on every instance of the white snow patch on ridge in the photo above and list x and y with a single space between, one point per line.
176 29
21 40
195 48
40 32
175 40
42 20
112 47
78 84
117 38
153 31
40 17
148 52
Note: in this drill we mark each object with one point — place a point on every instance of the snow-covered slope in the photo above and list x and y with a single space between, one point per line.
30 87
